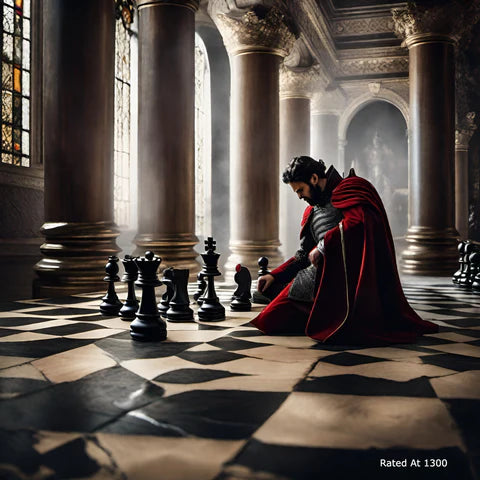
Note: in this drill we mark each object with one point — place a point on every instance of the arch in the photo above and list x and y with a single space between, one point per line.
358 103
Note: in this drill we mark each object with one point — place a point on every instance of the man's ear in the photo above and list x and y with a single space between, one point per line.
314 179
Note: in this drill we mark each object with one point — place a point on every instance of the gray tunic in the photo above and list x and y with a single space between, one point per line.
323 219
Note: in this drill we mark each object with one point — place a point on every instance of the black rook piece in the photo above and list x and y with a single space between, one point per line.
241 297
263 264
167 280
148 326
111 305
179 310
201 286
130 307
211 308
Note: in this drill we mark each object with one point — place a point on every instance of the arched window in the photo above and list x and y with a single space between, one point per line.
16 82
203 142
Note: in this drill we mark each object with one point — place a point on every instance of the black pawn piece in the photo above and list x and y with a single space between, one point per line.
148 326
241 297
211 308
201 286
461 253
179 310
167 280
111 305
130 307
263 264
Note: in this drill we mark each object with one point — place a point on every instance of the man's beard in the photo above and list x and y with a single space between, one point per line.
319 197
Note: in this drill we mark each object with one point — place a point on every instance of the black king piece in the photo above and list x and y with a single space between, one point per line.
211 309
148 326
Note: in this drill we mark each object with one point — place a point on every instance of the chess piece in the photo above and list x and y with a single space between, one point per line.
130 307
201 286
111 305
258 297
463 279
148 325
211 308
461 253
474 261
241 297
476 279
167 280
179 310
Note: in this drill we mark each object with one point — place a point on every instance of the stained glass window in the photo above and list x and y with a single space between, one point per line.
16 82
122 203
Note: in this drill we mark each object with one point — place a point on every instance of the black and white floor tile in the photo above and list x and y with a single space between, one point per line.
222 401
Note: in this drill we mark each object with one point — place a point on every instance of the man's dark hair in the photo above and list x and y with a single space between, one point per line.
301 169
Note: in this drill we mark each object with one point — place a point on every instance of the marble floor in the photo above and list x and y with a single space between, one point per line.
221 401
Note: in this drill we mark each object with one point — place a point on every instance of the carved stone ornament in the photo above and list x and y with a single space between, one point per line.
301 83
362 26
249 33
418 23
464 131
370 66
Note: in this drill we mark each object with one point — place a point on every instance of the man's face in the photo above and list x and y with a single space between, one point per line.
311 192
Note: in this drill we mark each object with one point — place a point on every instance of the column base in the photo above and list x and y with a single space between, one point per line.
430 252
176 250
247 254
75 255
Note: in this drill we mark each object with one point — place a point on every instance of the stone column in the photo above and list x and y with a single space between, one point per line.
256 47
78 76
462 138
166 147
431 236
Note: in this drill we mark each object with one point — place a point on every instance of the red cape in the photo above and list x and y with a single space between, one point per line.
359 296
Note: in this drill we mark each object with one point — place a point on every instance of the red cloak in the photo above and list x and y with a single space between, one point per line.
359 298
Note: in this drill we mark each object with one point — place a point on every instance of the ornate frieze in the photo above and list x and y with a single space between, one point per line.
419 23
362 26
301 83
370 66
254 33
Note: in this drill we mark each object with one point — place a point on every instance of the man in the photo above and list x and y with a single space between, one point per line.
342 285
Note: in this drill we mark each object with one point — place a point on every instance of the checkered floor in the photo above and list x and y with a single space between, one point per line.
80 399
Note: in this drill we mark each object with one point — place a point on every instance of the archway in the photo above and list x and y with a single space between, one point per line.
377 147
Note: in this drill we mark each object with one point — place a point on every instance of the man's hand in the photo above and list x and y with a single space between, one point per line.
264 282
314 256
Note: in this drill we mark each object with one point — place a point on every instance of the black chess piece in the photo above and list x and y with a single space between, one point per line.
130 307
241 297
167 280
463 279
179 310
461 253
148 325
258 297
474 261
211 308
111 305
201 286
476 279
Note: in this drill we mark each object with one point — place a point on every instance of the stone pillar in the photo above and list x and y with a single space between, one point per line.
295 88
166 147
431 235
78 76
462 138
256 47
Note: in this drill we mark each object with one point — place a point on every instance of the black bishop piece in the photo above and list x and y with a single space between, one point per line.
130 307
148 326
241 297
211 308
111 305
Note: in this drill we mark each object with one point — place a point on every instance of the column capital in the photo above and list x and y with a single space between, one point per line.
256 33
464 131
190 4
298 83
434 23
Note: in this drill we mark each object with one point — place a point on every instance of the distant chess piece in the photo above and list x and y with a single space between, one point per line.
211 309
111 305
179 310
148 325
241 297
463 279
130 307
474 261
167 280
461 253
476 279
201 286
258 297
